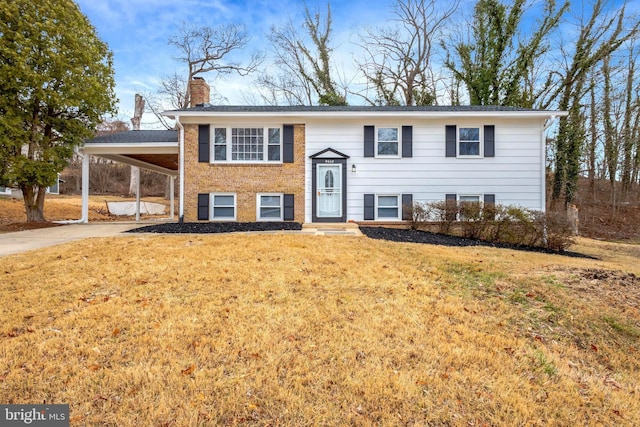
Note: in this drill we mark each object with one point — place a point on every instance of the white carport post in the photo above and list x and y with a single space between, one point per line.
85 188
171 197
138 198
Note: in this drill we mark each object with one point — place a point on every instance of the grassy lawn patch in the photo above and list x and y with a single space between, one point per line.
191 330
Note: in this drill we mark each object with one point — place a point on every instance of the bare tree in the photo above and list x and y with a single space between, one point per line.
600 36
135 121
398 59
305 68
206 50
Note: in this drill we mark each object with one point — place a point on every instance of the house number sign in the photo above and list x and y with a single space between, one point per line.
329 161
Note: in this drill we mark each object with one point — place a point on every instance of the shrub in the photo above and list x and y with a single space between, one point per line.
496 223
559 231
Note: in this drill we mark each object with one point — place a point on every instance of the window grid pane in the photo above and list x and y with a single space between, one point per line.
387 212
388 134
247 144
270 212
269 200
388 201
222 200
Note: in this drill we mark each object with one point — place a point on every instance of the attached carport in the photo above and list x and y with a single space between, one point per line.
154 150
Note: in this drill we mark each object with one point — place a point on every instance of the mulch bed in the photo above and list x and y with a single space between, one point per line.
419 236
217 227
383 233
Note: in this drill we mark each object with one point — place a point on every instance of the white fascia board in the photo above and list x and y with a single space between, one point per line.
132 148
370 114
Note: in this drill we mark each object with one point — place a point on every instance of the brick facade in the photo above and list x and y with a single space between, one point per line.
245 180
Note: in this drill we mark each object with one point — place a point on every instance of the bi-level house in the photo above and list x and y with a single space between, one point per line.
355 163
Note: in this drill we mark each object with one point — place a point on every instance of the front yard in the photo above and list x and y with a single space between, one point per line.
280 329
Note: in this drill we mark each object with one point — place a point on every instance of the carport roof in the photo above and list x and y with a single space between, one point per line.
155 150
136 136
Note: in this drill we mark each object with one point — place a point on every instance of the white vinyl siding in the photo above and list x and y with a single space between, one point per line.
515 174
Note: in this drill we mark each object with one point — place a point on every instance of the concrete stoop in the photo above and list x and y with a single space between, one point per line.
331 228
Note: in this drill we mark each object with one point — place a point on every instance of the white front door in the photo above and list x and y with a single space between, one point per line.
329 186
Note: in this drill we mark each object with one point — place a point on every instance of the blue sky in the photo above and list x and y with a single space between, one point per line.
137 32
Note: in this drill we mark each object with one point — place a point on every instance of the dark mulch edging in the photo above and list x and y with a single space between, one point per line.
216 227
419 236
383 233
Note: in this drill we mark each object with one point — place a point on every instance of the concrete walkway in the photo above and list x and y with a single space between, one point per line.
22 241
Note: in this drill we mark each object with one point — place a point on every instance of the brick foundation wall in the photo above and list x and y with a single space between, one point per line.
245 180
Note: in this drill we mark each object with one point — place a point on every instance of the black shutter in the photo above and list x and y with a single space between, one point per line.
287 144
489 141
203 143
407 141
369 207
451 207
289 211
203 206
369 141
407 207
489 208
450 139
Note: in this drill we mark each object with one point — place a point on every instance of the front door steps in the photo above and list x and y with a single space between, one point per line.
331 228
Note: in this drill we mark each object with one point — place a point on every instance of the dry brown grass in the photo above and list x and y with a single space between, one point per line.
319 330
62 208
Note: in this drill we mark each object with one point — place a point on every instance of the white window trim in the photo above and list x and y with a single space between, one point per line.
480 201
229 148
398 206
388 156
212 206
5 191
258 206
480 146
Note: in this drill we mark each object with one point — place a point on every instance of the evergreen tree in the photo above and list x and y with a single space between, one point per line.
56 83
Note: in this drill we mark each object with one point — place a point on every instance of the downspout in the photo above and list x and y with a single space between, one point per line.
543 178
181 144
84 218
543 184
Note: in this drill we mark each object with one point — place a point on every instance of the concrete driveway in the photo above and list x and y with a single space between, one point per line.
22 241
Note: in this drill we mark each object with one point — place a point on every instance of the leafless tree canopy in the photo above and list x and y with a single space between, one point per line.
206 50
398 59
304 67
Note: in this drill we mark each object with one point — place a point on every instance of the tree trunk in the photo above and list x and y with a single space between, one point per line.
34 202
137 116
593 142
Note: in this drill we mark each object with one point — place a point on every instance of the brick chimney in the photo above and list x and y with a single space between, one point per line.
199 92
